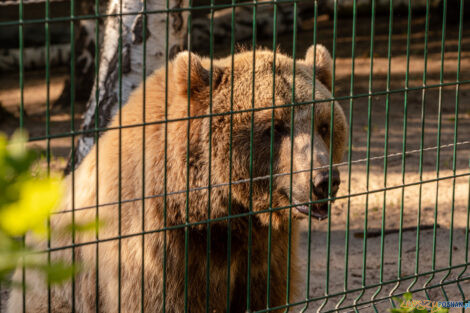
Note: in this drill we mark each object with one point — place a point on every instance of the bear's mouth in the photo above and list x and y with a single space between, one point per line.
319 210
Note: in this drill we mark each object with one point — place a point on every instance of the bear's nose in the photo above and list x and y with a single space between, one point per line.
321 182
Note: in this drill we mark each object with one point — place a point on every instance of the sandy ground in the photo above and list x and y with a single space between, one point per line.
448 197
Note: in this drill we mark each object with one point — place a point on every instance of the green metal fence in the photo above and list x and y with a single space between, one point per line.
374 207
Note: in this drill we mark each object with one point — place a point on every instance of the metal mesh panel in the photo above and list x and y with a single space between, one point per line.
401 219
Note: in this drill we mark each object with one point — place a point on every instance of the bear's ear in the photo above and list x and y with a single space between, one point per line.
323 63
198 78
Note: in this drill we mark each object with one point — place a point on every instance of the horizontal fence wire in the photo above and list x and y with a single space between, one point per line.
240 215
170 10
369 286
17 2
353 296
102 129
265 177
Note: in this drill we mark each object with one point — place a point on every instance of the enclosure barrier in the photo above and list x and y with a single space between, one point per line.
353 296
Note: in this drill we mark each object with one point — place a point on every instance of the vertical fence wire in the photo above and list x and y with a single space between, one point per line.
404 140
350 138
48 140
386 140
330 148
250 219
165 157
97 154
438 150
330 165
229 213
292 130
188 133
386 146
387 119
144 93
72 137
209 177
421 146
21 125
454 165
454 150
21 61
439 127
369 123
120 47
271 159
312 132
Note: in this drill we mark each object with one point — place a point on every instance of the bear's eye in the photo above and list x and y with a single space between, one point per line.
281 129
323 130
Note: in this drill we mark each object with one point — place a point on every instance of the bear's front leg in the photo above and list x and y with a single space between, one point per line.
279 279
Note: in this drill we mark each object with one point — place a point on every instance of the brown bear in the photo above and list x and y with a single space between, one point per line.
191 192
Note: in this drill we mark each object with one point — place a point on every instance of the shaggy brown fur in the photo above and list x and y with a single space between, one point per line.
131 163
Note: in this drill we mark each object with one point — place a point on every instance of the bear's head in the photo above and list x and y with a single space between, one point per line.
270 131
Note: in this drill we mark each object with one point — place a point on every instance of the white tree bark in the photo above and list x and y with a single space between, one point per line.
131 59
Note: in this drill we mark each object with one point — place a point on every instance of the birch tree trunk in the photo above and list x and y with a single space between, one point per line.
132 69
85 45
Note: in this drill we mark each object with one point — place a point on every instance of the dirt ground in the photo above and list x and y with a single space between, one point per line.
448 197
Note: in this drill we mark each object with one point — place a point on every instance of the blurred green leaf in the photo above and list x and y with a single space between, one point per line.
10 252
58 272
86 227
37 199
27 199
407 296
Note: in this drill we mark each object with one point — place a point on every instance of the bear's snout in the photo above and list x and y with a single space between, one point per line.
321 183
